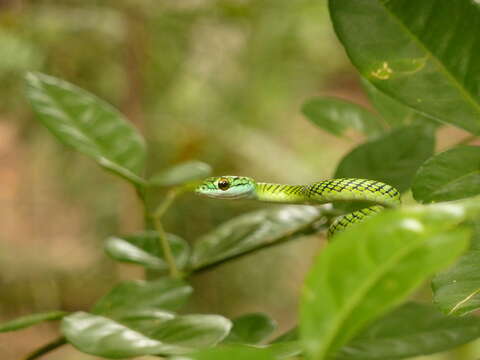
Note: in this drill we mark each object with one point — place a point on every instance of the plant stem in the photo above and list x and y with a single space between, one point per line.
142 196
162 236
308 230
54 344
167 251
165 204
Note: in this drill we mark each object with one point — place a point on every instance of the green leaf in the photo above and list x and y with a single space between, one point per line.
371 268
102 336
135 319
88 124
286 345
252 231
144 249
29 320
475 242
411 330
181 174
457 290
233 353
290 335
194 331
251 329
143 297
394 337
421 53
285 349
393 112
393 158
336 116
451 175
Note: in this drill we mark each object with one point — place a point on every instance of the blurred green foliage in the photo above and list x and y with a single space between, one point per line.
220 81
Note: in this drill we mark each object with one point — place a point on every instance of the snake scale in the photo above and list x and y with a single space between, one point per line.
238 187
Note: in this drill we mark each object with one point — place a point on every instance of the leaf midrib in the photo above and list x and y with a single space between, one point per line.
446 327
65 109
467 298
126 172
100 148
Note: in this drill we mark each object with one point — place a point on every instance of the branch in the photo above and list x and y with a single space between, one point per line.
164 244
310 229
54 344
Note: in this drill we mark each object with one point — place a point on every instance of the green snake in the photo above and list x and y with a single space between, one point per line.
326 191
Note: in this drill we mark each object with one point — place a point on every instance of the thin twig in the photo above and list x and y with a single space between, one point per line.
165 204
308 230
167 251
142 196
162 236
54 344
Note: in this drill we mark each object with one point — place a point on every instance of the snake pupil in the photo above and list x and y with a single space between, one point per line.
223 184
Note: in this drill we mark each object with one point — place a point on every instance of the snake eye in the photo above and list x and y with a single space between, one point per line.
223 184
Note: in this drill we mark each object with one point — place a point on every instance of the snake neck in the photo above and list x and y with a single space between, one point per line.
281 193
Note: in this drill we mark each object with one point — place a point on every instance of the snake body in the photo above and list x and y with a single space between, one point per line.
381 195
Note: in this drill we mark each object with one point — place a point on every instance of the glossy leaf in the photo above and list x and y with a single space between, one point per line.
144 249
143 297
420 54
451 175
194 331
457 290
135 318
468 209
289 335
286 349
233 353
286 345
336 116
181 174
393 158
411 330
32 319
251 329
393 112
102 336
475 226
88 124
394 337
252 231
372 267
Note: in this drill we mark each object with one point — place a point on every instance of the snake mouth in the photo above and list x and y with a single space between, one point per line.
206 191
219 195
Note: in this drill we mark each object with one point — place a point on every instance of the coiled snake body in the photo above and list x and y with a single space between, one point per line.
332 190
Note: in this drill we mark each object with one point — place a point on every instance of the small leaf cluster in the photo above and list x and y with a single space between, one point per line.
356 303
142 317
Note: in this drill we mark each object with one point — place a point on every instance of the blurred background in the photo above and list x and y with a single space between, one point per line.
221 81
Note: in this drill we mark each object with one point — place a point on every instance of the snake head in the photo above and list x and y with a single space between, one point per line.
227 187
